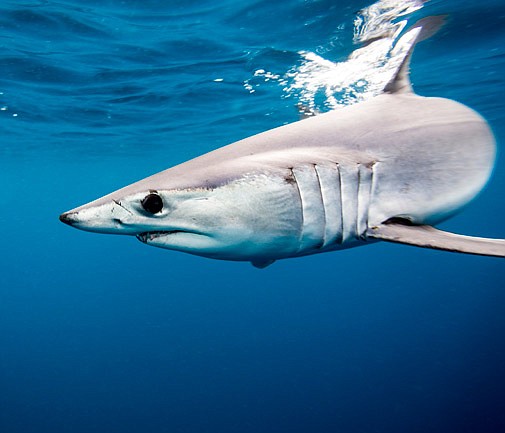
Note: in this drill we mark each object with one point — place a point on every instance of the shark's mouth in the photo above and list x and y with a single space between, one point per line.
150 236
146 237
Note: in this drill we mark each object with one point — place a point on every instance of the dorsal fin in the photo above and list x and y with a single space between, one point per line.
430 237
426 28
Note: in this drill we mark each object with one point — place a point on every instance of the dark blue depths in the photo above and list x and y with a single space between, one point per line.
103 334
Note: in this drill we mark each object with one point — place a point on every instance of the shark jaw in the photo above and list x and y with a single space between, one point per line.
161 238
151 236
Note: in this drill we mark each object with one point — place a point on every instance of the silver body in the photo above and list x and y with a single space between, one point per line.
312 186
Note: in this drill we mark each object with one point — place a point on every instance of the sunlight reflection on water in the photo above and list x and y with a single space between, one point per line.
318 84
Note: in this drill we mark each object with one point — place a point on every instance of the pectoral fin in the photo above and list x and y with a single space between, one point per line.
430 237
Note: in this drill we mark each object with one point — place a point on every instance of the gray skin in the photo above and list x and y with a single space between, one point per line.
325 183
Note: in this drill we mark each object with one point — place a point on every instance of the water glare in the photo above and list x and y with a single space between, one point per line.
319 84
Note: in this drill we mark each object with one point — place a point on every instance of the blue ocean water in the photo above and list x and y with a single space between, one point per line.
103 334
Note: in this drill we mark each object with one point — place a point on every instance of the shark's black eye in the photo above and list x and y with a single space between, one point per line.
152 203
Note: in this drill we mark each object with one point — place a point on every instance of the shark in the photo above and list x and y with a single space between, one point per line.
387 169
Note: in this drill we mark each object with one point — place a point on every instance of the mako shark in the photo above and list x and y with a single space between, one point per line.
385 169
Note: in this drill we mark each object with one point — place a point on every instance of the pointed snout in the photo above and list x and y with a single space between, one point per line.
69 218
106 218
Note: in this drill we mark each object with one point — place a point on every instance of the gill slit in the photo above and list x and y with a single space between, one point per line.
359 203
373 190
365 188
373 186
341 236
320 189
300 235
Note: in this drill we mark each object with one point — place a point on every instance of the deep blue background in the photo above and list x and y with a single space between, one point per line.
103 334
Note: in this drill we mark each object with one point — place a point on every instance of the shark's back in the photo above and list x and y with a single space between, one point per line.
428 156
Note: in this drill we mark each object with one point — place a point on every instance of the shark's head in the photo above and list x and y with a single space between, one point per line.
239 213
